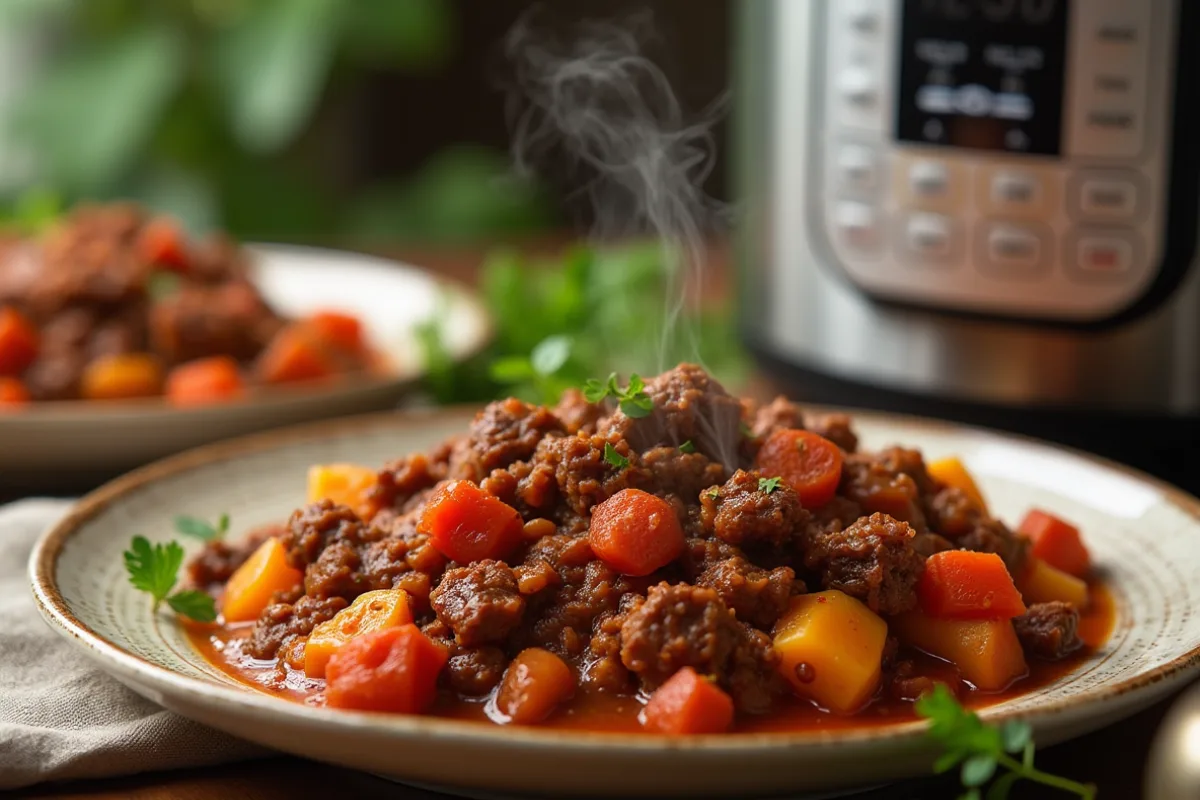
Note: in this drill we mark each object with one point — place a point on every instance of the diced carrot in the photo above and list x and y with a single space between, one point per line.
161 243
635 532
205 381
466 524
951 472
345 484
370 611
394 670
986 651
18 342
295 354
12 393
534 684
811 464
1043 583
962 584
341 330
1056 542
121 377
688 703
251 586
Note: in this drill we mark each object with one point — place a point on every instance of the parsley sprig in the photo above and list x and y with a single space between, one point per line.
983 750
768 485
614 457
201 529
632 399
154 569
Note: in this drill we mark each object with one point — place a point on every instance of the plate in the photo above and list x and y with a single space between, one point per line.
1144 534
83 438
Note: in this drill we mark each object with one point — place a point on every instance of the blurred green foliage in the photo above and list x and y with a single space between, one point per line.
222 112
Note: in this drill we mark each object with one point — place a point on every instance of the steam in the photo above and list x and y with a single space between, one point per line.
590 96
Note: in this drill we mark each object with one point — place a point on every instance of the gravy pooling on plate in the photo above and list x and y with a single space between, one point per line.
669 557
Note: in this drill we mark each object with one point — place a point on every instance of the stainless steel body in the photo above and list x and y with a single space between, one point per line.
803 306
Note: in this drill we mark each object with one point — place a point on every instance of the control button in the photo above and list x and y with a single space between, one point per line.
1111 84
1117 33
1015 189
858 87
929 179
930 184
1013 106
856 167
857 224
1108 198
1022 192
1104 254
928 236
1014 248
935 99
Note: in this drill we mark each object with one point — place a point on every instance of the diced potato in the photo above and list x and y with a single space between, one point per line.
346 484
831 649
952 472
263 574
1043 583
372 611
986 651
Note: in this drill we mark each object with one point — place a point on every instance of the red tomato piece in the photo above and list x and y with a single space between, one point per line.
393 670
12 393
18 342
466 524
204 381
340 330
688 703
962 584
161 242
1057 542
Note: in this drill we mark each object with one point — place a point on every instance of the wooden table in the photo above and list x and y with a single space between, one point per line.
1112 758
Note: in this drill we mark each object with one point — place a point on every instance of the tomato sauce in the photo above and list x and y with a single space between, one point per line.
608 712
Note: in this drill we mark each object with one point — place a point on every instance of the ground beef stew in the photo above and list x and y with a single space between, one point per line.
677 561
113 303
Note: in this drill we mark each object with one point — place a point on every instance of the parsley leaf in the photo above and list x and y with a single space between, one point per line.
768 485
194 604
613 457
594 391
687 448
713 494
202 529
153 569
632 400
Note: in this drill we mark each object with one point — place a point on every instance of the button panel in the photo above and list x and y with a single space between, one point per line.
928 238
1012 248
1102 254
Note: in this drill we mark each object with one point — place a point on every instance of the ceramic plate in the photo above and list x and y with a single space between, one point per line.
390 298
1144 535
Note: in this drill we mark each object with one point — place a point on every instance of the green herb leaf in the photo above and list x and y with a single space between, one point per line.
1000 788
550 355
511 369
161 285
978 770
153 569
713 494
202 529
632 400
194 604
594 391
744 429
1016 734
970 794
613 457
768 485
687 448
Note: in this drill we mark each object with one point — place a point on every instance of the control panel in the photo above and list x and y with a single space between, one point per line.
1000 156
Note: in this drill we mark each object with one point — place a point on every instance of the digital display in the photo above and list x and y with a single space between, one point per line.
983 74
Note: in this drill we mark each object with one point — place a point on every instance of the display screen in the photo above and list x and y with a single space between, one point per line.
984 74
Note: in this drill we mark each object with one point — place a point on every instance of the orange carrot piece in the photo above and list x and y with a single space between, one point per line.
122 377
635 532
12 393
294 355
688 703
961 584
393 670
534 684
18 342
250 588
466 524
1056 542
161 242
340 330
811 464
205 381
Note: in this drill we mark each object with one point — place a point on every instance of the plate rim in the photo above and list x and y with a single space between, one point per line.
116 660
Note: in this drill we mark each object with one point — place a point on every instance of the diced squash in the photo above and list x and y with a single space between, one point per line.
986 651
345 484
962 584
1056 542
250 587
831 649
371 611
122 377
952 472
1043 583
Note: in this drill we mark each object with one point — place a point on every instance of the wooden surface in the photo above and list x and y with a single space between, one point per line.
1112 758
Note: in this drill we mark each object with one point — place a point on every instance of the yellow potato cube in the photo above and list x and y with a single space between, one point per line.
952 472
1043 583
986 651
831 649
345 484
251 586
371 611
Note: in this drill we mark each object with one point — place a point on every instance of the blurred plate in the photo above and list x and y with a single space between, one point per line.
56 444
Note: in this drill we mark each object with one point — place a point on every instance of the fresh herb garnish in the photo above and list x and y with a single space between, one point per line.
687 448
613 457
202 529
982 750
745 430
768 485
632 400
713 494
154 569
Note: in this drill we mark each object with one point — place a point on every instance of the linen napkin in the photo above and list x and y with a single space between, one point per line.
61 717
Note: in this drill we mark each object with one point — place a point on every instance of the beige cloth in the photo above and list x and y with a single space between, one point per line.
61 717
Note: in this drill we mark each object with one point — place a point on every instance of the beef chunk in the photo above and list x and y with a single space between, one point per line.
1049 630
200 321
577 414
479 602
582 476
741 513
929 543
564 625
777 415
312 527
834 427
282 622
689 405
873 560
668 471
507 431
702 553
758 596
878 486
219 559
679 626
993 536
336 573
400 480
950 512
475 671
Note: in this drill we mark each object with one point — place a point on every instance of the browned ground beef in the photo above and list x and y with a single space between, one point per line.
758 596
480 602
219 559
834 427
877 486
281 622
873 560
742 513
1049 630
200 321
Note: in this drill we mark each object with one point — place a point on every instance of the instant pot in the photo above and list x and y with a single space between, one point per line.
977 209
